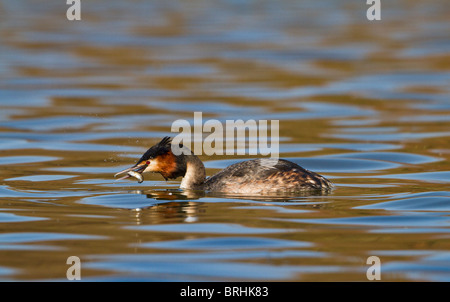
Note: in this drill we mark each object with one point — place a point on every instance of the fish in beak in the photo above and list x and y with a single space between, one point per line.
134 171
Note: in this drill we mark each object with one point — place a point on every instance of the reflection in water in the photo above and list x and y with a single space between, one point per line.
173 194
363 103
185 205
158 213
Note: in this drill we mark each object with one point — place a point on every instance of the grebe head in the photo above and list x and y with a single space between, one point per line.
159 158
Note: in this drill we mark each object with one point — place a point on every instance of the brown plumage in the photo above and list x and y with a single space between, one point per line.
166 164
262 176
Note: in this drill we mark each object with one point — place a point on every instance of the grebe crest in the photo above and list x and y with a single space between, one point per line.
254 176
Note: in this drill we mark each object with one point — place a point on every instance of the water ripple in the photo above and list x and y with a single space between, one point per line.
428 201
236 243
215 228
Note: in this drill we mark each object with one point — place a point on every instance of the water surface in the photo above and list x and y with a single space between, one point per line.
366 104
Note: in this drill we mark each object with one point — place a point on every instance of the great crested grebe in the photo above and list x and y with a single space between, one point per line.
254 176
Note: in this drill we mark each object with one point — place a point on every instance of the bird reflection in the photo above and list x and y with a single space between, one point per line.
179 205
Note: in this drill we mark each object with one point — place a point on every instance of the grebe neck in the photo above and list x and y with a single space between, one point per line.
195 175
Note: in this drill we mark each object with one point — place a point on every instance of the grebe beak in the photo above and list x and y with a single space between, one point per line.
139 168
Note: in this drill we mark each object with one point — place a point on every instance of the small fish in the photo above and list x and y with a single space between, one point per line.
136 175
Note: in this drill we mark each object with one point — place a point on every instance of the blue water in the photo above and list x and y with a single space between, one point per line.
365 104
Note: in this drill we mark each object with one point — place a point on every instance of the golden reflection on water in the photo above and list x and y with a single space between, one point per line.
79 100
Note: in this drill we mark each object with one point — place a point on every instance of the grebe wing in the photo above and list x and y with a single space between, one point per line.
266 174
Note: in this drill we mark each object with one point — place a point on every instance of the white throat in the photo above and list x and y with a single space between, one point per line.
195 174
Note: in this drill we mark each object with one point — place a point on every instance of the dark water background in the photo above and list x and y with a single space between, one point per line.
364 103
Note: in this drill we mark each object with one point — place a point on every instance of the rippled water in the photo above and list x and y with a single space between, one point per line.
366 104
